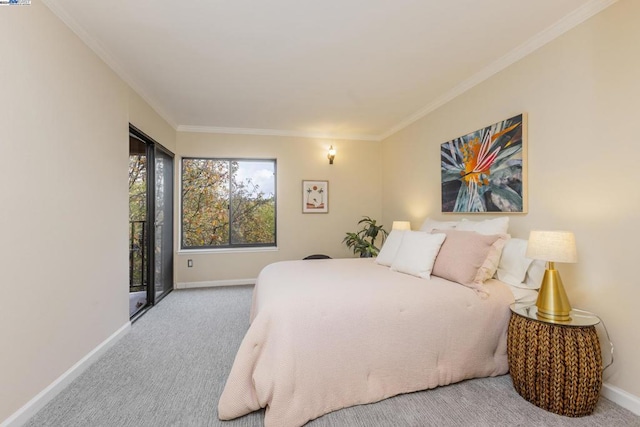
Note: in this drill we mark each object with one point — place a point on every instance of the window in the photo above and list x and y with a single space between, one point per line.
228 203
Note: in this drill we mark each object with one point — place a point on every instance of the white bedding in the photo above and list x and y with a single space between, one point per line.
327 334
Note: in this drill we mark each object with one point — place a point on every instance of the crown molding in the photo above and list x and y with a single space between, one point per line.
274 132
570 21
562 26
106 57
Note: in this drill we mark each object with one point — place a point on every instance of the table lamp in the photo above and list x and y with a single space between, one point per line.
401 225
552 246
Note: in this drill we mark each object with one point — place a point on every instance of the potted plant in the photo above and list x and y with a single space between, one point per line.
363 241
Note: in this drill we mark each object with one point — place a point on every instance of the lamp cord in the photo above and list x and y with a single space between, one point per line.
606 331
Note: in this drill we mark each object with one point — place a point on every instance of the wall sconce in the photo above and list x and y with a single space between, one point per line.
331 155
552 246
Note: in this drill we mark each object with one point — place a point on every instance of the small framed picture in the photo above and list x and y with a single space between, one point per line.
315 196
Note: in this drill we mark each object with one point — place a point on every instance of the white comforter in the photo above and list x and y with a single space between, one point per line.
327 334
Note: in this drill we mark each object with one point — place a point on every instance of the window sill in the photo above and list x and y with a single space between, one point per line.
226 250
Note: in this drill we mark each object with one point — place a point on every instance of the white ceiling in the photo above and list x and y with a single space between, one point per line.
334 68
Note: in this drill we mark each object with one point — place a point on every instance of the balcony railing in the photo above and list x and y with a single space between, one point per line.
137 256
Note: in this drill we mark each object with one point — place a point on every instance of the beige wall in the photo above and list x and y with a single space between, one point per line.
63 145
354 191
145 118
581 92
63 169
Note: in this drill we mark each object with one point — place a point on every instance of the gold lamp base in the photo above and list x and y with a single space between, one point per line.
553 303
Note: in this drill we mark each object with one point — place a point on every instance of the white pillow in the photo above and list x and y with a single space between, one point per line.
488 226
524 295
390 248
417 253
513 265
431 224
536 270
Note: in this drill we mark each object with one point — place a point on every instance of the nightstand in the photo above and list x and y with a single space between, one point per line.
555 365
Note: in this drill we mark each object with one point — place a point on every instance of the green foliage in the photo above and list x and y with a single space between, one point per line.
220 209
205 202
137 188
137 219
363 241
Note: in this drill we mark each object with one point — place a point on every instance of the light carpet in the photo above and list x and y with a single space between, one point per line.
171 368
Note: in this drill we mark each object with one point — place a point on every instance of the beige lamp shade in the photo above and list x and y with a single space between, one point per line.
401 225
554 246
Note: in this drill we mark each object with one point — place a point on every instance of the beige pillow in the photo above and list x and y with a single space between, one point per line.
468 258
491 264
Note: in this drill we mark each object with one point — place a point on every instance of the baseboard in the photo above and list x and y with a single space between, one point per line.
621 397
215 283
22 415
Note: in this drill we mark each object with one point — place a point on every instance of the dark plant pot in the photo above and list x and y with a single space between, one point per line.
365 255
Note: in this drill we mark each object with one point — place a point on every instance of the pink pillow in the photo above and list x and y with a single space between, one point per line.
468 258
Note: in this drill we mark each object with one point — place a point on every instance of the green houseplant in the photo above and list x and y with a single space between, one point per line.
363 241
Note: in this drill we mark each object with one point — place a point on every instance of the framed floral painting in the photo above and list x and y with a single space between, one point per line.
315 196
485 171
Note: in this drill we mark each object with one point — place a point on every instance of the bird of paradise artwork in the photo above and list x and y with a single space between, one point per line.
485 170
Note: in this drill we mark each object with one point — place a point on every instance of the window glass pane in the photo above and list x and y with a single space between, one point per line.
205 203
228 202
253 207
138 230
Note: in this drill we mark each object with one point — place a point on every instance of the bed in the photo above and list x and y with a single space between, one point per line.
328 334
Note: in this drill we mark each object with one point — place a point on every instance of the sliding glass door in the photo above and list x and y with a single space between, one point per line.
150 222
163 223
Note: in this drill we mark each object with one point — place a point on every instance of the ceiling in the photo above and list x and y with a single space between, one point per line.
359 69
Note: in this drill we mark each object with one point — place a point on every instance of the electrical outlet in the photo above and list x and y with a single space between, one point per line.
189 263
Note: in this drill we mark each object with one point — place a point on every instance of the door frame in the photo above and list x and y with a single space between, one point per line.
151 147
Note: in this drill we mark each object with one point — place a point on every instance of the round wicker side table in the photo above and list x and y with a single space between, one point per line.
555 366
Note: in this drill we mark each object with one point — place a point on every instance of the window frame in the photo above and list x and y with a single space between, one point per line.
231 246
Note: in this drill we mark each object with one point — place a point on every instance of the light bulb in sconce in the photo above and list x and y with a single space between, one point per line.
331 155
